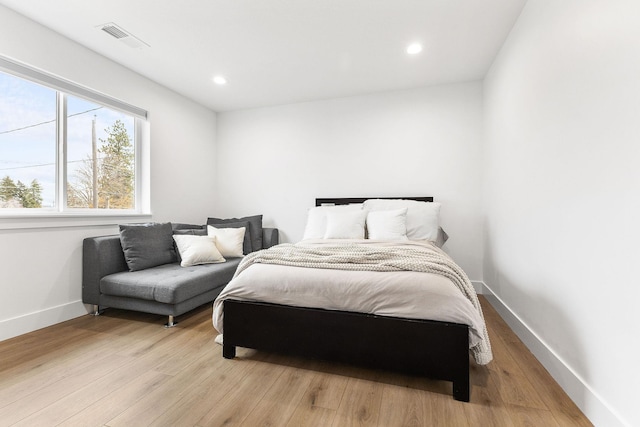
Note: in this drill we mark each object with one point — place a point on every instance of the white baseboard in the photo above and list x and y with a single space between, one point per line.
15 326
599 412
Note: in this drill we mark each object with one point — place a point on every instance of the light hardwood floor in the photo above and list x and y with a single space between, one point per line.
125 369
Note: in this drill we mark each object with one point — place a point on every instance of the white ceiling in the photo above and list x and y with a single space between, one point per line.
282 51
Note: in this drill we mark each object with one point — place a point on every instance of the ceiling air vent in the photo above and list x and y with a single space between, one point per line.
122 35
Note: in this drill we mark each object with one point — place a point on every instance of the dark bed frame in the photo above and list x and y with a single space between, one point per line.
435 349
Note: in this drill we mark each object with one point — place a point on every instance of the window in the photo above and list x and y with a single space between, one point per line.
65 148
27 144
100 157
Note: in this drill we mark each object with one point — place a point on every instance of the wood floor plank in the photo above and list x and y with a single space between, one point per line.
402 406
79 399
25 381
155 336
199 399
443 411
496 323
549 391
487 406
311 416
325 391
249 390
22 350
514 385
321 399
154 404
124 368
49 394
47 366
278 404
76 402
360 405
33 358
185 348
117 401
530 417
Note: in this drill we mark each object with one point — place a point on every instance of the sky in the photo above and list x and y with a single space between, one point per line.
28 132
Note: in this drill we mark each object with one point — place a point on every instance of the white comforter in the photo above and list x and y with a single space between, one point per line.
409 294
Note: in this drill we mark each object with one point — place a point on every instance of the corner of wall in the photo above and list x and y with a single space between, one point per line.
590 403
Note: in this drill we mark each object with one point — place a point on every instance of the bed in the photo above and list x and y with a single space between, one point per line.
397 340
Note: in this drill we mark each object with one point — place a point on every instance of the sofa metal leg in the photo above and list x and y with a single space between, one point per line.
96 310
170 323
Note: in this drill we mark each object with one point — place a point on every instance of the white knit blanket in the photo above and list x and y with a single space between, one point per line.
359 257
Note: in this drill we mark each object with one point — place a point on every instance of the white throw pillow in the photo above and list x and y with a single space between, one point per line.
228 240
345 225
195 250
387 225
317 219
423 218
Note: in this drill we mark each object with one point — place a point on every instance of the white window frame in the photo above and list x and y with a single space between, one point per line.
61 215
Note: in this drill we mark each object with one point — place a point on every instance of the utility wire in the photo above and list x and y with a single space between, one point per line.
44 164
49 121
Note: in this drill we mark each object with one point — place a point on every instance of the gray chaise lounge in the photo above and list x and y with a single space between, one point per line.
168 289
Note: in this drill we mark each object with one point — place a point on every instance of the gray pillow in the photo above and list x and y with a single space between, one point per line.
246 245
255 228
181 226
191 231
147 245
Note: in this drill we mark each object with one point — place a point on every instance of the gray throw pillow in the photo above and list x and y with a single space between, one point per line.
181 226
147 245
191 231
255 228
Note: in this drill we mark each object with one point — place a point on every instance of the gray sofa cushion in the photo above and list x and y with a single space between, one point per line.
169 283
191 231
255 228
147 245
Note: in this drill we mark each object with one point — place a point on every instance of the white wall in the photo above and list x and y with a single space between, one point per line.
562 195
41 267
426 141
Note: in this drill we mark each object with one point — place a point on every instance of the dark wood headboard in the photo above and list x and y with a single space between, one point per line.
346 201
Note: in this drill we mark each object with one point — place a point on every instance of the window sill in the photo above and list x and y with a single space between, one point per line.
59 220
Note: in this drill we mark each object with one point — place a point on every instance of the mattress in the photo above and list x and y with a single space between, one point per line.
405 294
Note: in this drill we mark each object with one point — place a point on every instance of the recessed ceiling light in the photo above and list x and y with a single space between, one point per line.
219 80
414 48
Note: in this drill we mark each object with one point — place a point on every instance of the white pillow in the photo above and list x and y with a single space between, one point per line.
195 250
228 240
345 225
387 225
317 219
423 218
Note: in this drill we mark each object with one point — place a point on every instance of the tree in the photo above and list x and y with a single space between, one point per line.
115 183
18 195
117 168
80 192
31 197
8 189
